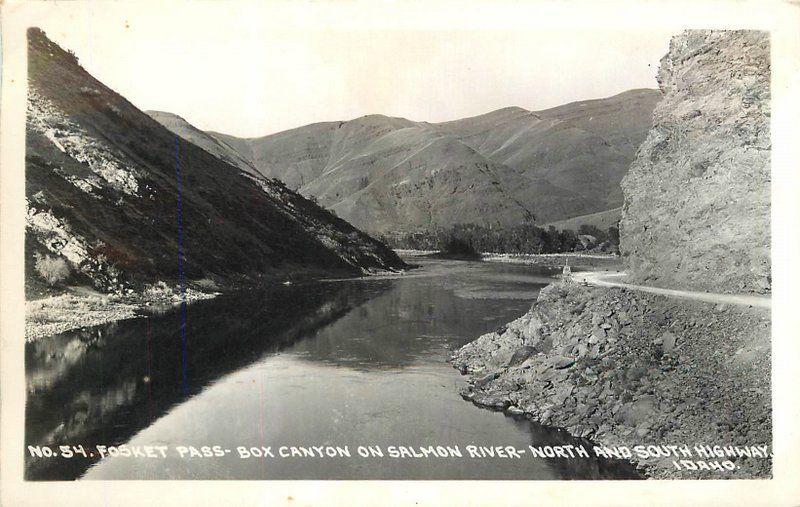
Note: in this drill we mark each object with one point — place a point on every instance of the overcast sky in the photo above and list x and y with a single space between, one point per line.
234 73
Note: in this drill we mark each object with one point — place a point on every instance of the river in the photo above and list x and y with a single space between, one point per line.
329 363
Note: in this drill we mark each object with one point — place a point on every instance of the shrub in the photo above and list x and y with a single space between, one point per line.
159 290
207 284
592 230
613 235
458 246
52 269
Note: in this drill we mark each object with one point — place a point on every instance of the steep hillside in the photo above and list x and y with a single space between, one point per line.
295 156
697 197
502 168
220 149
602 220
117 201
585 147
406 178
390 174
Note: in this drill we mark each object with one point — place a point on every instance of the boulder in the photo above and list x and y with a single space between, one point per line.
521 354
561 394
638 412
534 328
561 362
492 400
668 341
482 382
545 345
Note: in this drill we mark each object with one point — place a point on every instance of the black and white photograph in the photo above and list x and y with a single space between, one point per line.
259 245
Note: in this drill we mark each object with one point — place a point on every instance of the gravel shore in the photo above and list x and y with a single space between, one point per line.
65 312
625 368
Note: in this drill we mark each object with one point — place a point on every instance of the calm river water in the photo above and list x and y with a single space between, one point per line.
341 363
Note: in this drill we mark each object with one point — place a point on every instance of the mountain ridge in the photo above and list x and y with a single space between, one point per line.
220 149
554 164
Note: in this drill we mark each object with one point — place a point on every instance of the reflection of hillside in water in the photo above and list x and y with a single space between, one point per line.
577 468
104 384
384 334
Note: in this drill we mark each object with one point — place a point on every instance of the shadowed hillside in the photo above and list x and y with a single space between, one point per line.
212 145
116 200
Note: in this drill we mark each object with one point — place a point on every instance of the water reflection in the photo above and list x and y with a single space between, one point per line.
103 384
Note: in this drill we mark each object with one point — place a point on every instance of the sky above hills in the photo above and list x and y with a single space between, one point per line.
251 74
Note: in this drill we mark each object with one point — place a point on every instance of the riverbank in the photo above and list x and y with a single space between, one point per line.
80 308
583 261
624 368
408 252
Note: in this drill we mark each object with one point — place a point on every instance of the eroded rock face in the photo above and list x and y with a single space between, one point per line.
697 197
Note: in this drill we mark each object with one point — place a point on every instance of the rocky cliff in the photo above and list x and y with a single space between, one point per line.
118 202
697 197
627 368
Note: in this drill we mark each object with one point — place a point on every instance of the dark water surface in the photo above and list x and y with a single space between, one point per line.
345 363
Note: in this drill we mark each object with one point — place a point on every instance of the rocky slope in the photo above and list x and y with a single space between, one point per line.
117 201
628 368
697 197
391 175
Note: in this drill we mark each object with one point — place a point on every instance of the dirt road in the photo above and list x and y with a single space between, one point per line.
601 279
